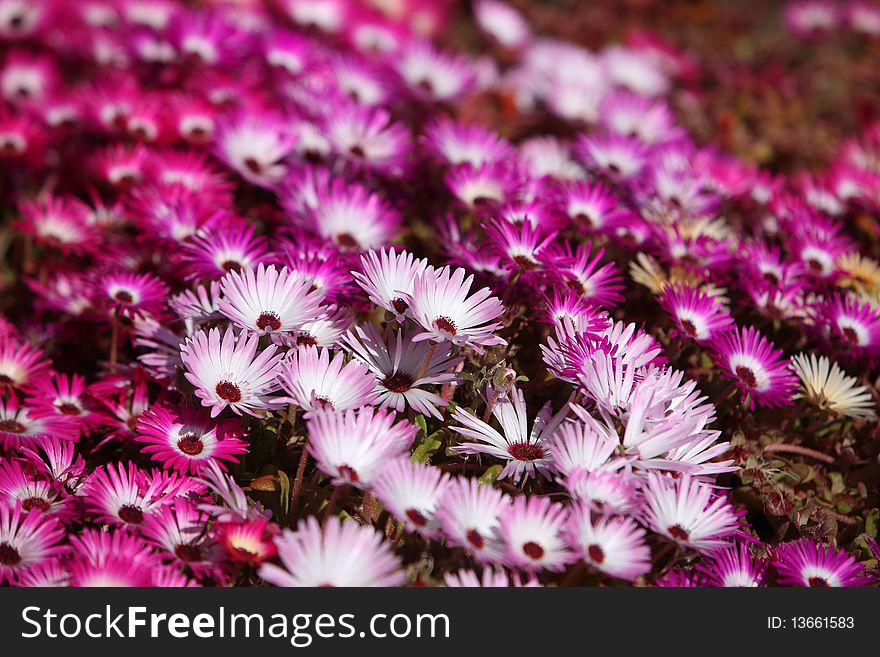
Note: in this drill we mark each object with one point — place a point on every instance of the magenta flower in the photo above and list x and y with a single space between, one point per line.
807 563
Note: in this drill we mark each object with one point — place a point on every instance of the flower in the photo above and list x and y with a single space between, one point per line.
388 277
807 563
696 314
612 544
855 325
689 512
130 294
121 494
412 493
532 529
462 143
20 362
224 249
469 514
351 446
249 541
26 424
527 453
827 387
398 368
314 382
27 540
490 578
734 566
178 530
255 146
268 300
227 372
185 438
756 368
111 559
439 303
341 553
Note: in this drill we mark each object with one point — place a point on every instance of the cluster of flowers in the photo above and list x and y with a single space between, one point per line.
816 18
218 369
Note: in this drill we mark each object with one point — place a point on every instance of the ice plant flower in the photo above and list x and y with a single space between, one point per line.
20 362
696 314
807 563
532 529
469 514
412 493
755 366
527 453
268 300
440 304
734 566
185 438
387 276
612 544
314 382
339 554
827 387
227 371
27 540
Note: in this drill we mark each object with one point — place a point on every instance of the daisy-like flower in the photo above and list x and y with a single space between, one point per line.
583 445
855 325
612 544
469 515
582 271
431 74
696 314
440 304
810 564
503 23
604 491
485 186
526 452
412 493
21 484
350 446
397 365
248 541
633 115
58 222
228 372
461 143
20 363
811 18
111 559
689 512
26 540
368 138
221 250
327 329
827 387
131 294
178 530
592 206
25 424
255 146
48 574
185 438
268 300
200 304
757 369
339 554
532 529
490 578
734 567
314 382
520 247
387 276
612 155
121 495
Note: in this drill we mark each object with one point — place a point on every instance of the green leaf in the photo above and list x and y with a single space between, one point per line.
843 507
872 523
284 480
422 424
427 448
491 474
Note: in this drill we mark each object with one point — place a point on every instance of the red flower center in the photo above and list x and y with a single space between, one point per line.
268 320
348 473
228 391
69 409
5 379
445 324
689 327
187 552
476 539
746 376
597 555
533 550
525 451
358 151
306 339
850 335
231 265
525 263
38 503
398 382
123 297
678 532
11 426
346 240
325 403
400 305
585 219
190 444
9 555
252 165
131 514
818 582
416 517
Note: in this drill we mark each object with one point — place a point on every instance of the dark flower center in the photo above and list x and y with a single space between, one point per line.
228 391
268 320
190 444
818 582
358 151
187 552
231 265
11 426
585 219
525 451
575 285
525 263
416 517
252 165
9 555
850 335
5 379
476 539
533 550
68 408
771 278
746 376
346 240
597 555
398 382
400 305
325 403
348 473
678 532
306 339
425 85
123 297
131 514
445 324
614 168
689 327
132 422
815 265
9 147
38 503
